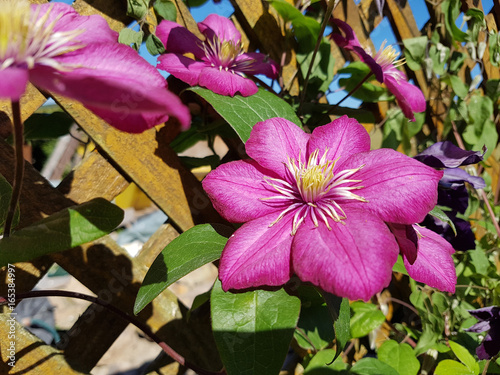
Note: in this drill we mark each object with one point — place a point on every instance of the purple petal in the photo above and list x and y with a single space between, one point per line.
409 97
486 313
490 346
260 64
343 137
273 141
226 83
257 254
184 68
447 155
398 188
113 80
14 81
353 260
96 28
236 190
407 240
454 178
220 26
480 327
434 265
178 39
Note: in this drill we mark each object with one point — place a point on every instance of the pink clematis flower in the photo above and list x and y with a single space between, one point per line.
384 66
426 256
317 205
79 57
219 62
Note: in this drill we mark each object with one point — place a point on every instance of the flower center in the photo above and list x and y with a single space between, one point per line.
386 57
27 37
222 54
313 188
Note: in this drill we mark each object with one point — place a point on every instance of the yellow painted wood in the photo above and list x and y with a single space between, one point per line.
113 11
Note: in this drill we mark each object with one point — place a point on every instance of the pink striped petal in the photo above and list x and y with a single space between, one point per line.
226 83
237 189
220 26
273 141
178 39
354 259
434 265
257 255
409 97
342 138
184 68
398 188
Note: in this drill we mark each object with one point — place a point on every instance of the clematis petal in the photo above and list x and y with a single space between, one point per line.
259 64
103 81
407 240
225 82
342 137
14 81
398 188
257 254
178 39
237 189
273 141
220 26
454 178
434 265
350 42
409 97
447 155
353 260
96 28
184 68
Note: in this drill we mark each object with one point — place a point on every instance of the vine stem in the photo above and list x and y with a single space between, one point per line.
143 327
331 6
19 166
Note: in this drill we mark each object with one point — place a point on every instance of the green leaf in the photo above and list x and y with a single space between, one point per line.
166 10
137 8
415 50
372 366
5 194
194 248
320 364
366 318
457 60
253 330
459 87
322 72
399 266
493 89
449 367
64 230
494 48
464 356
439 55
488 137
438 213
480 261
451 10
341 316
368 92
154 45
480 110
47 126
314 330
400 357
242 113
131 37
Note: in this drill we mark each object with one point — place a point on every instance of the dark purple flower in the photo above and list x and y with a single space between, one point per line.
384 66
219 61
447 155
489 320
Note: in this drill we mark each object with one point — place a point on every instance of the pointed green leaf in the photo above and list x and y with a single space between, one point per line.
372 366
165 9
131 37
449 367
64 230
464 356
438 213
321 364
341 314
154 45
194 248
400 357
366 318
253 330
242 113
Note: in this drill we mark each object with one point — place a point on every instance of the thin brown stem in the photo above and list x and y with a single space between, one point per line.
143 327
485 370
18 169
329 10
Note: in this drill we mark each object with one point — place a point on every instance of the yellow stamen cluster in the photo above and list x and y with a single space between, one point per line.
27 37
388 56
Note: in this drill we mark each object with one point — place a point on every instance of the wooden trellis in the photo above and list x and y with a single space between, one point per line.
149 162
